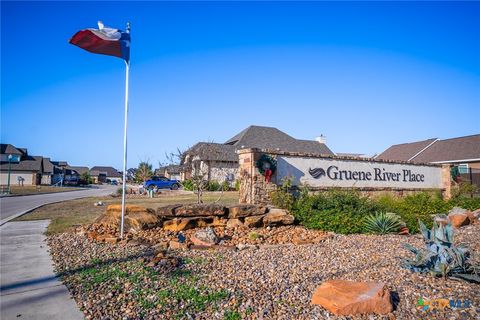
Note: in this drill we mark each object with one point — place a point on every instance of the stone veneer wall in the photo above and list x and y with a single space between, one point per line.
254 189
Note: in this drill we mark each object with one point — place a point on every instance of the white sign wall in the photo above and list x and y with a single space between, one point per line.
324 172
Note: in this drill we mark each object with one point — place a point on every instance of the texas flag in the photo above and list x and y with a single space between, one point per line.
104 40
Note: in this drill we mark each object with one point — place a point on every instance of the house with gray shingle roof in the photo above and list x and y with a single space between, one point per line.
460 152
220 159
24 168
101 174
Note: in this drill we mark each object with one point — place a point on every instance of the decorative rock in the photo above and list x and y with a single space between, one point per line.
112 240
253 221
241 211
179 224
174 245
242 246
278 217
458 219
343 297
457 210
167 211
234 223
218 222
201 210
204 237
136 217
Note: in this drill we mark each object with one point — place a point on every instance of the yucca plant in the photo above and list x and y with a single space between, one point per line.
383 223
441 257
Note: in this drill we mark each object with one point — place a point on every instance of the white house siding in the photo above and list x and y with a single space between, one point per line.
28 176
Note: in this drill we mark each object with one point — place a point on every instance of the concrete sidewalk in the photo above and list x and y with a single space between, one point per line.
28 286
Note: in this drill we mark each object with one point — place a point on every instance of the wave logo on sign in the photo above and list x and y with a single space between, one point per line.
317 173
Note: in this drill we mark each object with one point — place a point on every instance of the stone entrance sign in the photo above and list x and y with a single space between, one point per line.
319 172
344 173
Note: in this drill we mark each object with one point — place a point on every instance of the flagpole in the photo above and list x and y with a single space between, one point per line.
124 180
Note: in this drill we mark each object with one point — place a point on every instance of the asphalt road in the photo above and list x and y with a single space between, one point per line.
12 207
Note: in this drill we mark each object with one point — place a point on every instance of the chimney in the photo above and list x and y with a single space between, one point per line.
321 139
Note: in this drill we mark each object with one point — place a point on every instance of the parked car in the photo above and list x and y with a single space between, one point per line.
161 183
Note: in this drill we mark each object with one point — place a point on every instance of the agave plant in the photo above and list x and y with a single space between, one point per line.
441 257
383 223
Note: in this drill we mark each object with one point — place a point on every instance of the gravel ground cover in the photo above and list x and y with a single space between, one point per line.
270 282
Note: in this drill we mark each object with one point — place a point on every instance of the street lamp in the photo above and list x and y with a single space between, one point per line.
9 169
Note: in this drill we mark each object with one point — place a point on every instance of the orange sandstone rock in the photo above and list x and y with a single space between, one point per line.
343 297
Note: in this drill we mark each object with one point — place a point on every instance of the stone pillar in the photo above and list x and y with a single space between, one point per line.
253 187
446 182
246 167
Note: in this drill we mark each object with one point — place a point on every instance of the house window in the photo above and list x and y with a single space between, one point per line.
463 168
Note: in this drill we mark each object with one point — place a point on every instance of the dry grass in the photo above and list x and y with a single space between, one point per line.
28 190
67 214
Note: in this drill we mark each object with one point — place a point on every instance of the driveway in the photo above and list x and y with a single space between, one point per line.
12 207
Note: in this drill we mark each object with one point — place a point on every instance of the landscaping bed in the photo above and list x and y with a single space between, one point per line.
259 282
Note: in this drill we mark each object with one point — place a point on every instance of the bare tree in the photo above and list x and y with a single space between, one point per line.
209 162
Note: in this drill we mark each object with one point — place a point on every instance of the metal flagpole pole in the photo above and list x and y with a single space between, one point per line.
124 181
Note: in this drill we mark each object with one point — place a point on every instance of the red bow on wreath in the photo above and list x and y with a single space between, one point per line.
268 174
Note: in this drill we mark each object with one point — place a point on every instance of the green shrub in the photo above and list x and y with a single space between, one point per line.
334 210
412 208
237 185
225 186
213 185
187 185
465 203
383 223
282 197
464 189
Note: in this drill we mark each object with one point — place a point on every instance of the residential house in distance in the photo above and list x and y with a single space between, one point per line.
63 174
101 174
24 169
171 171
462 153
220 160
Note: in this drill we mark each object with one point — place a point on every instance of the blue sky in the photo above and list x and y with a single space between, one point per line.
365 74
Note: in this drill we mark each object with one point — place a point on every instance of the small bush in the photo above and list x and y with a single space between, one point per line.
282 197
237 185
187 185
225 186
412 208
465 203
213 186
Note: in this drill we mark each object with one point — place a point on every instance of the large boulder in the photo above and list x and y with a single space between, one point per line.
278 217
179 224
342 297
167 211
204 237
253 221
136 217
458 219
199 210
245 210
234 223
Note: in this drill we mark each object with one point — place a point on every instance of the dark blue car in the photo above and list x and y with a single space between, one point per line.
161 183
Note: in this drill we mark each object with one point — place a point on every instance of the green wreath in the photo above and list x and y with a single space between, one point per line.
265 162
